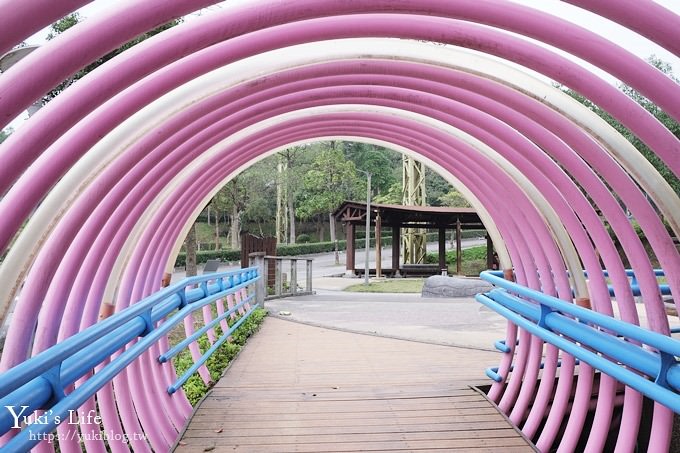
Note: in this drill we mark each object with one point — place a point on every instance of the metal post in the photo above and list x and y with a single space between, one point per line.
257 260
278 281
459 252
378 245
308 286
442 251
351 251
368 225
489 252
396 245
293 276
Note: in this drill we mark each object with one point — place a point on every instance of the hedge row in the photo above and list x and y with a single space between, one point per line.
205 255
301 249
473 253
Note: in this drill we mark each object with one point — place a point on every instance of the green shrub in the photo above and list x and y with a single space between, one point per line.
205 255
303 238
306 249
195 388
471 254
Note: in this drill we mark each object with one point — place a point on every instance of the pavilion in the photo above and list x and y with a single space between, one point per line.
396 217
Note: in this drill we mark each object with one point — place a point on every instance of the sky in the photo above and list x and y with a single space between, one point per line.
617 33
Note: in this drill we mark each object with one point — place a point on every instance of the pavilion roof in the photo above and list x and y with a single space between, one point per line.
408 216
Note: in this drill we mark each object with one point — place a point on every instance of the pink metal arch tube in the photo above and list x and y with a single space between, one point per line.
30 146
153 278
147 62
19 20
646 17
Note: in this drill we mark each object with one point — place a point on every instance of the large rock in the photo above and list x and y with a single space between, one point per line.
441 286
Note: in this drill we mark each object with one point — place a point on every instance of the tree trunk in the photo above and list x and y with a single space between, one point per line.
334 239
208 212
281 203
217 231
291 213
320 228
191 252
235 228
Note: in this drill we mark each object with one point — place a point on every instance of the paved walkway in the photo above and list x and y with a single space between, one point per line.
307 389
460 322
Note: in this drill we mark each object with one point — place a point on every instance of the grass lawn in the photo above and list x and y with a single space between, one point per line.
392 285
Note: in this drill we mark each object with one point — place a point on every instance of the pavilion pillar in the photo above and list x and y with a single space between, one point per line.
489 252
396 243
378 245
459 252
349 262
442 251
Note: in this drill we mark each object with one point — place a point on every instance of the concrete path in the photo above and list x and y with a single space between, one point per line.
454 322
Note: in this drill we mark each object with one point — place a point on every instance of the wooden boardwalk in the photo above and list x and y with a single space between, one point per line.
297 388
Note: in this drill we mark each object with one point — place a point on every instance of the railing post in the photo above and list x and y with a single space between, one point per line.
308 282
278 282
257 260
293 276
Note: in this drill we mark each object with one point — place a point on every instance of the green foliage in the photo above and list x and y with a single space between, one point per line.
392 285
435 187
248 327
62 25
330 180
472 253
303 238
473 260
306 248
393 195
205 255
375 160
195 388
453 198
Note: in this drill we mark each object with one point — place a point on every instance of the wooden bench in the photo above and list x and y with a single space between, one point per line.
413 270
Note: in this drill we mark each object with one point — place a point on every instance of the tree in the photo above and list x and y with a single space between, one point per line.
662 116
219 204
69 21
394 195
330 180
436 187
375 160
454 199
236 192
249 197
62 25
289 171
190 243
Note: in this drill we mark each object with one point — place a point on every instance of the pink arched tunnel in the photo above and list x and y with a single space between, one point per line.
101 185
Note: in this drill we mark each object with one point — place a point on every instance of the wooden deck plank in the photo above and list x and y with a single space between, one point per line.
307 389
236 438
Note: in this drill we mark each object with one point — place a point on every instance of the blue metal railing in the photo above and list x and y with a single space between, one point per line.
635 288
640 358
39 382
